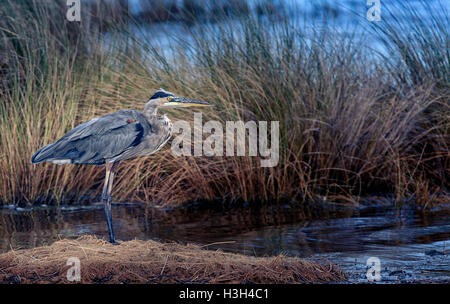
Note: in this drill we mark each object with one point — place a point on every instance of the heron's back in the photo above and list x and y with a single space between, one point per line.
101 139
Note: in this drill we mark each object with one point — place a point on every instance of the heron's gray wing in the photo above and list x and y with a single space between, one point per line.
97 140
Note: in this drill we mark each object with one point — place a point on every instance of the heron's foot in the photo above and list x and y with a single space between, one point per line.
114 242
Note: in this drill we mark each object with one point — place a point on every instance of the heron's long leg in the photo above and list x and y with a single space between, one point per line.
106 195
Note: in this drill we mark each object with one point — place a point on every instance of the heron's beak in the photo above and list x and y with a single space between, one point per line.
181 102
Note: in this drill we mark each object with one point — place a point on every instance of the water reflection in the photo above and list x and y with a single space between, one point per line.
29 228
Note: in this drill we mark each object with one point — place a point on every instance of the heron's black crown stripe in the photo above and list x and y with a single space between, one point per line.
161 94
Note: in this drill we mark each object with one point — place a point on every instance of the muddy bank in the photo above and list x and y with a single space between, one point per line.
153 262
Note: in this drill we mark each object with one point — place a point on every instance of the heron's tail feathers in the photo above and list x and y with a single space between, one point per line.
64 152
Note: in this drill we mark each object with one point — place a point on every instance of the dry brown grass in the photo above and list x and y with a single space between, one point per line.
153 262
349 126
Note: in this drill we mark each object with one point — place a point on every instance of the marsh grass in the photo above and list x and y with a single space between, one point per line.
351 124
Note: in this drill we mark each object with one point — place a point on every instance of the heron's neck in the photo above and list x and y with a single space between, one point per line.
150 111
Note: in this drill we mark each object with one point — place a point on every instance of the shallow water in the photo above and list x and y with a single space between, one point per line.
411 245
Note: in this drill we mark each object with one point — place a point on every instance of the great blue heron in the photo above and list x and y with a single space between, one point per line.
114 137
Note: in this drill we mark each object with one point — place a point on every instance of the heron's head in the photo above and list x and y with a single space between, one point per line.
164 99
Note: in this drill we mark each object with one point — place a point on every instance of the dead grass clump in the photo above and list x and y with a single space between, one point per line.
153 262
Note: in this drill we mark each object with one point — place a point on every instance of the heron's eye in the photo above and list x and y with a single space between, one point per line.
169 98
